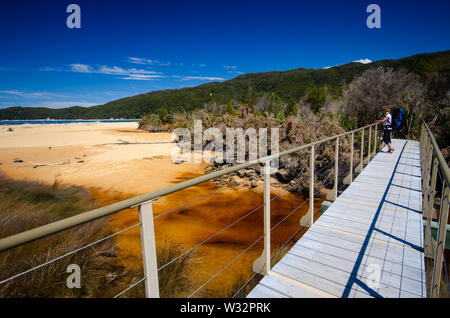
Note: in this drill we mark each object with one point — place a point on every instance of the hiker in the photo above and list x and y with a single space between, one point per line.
387 127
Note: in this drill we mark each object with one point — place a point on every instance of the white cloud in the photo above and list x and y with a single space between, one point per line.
31 94
141 77
81 68
64 104
363 61
146 61
230 67
141 60
43 99
202 78
50 69
116 70
128 73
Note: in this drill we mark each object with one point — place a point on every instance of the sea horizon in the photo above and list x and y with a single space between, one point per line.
64 121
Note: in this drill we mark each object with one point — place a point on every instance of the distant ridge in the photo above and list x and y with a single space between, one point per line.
286 84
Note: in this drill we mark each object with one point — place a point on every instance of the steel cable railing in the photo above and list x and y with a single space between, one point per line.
271 229
130 287
433 164
225 228
199 199
226 266
214 235
281 248
67 254
145 207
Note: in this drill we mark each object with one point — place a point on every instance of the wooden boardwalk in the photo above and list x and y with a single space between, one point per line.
368 243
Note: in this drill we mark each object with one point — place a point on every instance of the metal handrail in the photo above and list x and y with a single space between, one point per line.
433 161
440 158
61 225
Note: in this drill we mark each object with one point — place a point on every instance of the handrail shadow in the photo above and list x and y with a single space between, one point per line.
353 279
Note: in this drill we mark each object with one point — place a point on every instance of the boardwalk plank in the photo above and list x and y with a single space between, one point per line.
376 224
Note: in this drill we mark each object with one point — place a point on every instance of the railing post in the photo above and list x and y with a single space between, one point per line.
429 241
369 152
349 178
149 250
308 219
333 194
262 264
267 215
441 235
362 152
375 150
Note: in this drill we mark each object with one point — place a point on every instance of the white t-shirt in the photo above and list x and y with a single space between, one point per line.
388 122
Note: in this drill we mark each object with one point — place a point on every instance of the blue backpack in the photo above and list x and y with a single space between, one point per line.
397 118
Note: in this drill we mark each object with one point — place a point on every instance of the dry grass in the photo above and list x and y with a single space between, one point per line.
25 205
444 291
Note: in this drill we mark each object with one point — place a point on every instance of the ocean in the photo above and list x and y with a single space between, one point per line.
21 122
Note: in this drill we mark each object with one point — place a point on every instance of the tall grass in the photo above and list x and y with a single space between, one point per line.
27 204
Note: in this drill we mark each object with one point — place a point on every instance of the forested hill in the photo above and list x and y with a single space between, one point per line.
285 84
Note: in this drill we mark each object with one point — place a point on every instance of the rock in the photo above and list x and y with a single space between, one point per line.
253 184
232 181
110 277
241 174
283 176
81 161
292 183
10 129
258 169
250 173
18 160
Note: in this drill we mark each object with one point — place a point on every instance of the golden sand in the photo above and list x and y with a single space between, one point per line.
93 155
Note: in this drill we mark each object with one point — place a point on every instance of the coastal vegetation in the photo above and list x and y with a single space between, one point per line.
25 205
320 114
315 86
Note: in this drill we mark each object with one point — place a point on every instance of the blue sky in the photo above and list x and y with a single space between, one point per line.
125 48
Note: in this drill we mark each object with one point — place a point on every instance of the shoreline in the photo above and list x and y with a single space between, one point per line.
115 172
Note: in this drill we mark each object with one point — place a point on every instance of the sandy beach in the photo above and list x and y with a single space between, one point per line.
102 158
94 154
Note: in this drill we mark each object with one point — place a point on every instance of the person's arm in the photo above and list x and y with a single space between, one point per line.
382 120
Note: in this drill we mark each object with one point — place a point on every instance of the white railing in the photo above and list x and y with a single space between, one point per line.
146 217
432 163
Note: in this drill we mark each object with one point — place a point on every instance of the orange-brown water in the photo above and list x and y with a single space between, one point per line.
196 222
115 172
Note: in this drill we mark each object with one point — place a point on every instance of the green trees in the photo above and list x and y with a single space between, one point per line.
253 89
229 108
291 108
164 116
316 97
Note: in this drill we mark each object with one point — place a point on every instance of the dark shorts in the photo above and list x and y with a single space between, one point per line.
387 136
